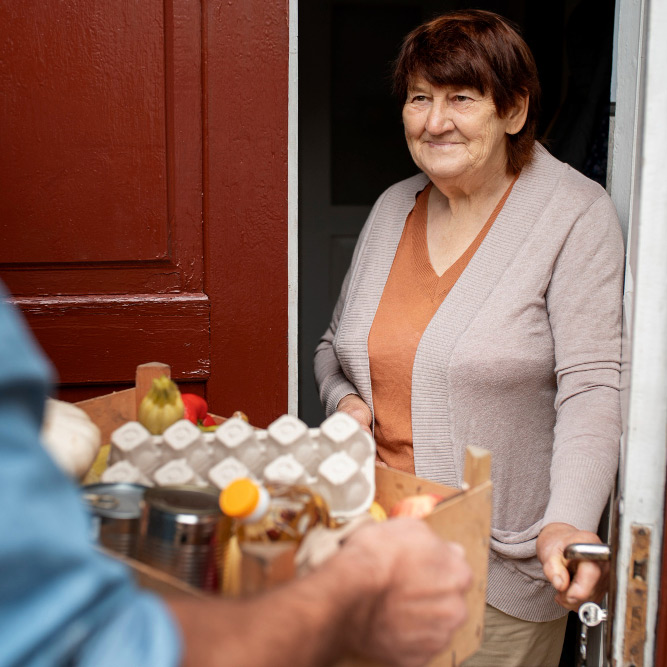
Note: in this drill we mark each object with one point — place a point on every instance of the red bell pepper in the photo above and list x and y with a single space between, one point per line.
196 411
208 421
196 408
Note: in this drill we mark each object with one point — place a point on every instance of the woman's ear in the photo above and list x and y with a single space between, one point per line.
516 118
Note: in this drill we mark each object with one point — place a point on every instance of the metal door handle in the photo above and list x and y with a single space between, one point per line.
594 552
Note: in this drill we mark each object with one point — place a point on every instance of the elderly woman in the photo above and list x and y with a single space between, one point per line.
483 307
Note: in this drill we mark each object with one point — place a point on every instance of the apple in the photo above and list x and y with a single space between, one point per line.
417 506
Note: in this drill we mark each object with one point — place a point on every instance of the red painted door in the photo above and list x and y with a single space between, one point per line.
140 219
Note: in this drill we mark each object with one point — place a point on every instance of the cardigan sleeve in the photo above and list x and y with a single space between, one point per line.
330 378
331 381
584 302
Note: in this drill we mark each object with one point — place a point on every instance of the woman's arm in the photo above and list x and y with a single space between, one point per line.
584 301
332 383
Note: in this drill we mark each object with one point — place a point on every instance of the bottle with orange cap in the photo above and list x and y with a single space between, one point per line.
272 512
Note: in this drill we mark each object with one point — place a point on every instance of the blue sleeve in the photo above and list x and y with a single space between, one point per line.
61 602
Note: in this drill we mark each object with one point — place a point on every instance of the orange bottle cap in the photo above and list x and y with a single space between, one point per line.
240 498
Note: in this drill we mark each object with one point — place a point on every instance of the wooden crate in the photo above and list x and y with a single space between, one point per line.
464 516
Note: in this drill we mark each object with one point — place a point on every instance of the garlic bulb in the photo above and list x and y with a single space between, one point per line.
70 436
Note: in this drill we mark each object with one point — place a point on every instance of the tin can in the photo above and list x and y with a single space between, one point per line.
183 532
116 513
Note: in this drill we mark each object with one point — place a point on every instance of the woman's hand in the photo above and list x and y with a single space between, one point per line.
590 579
354 406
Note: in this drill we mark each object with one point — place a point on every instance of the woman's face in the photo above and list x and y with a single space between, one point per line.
454 134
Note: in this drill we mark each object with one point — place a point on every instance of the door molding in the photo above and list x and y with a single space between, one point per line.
637 188
293 212
246 73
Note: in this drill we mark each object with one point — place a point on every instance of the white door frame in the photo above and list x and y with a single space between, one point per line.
638 189
293 212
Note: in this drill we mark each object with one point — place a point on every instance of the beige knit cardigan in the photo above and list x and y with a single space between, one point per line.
522 358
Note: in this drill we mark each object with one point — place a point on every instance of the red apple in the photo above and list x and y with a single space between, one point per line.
418 506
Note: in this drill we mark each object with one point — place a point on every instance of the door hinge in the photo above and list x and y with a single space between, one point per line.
636 598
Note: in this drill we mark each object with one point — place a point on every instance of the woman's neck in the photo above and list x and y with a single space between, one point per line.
456 216
471 197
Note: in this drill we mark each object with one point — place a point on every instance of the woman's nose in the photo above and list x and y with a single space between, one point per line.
439 118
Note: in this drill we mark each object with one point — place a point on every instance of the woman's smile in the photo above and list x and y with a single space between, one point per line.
454 134
441 144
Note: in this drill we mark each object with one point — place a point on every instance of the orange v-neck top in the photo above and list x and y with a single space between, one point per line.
412 295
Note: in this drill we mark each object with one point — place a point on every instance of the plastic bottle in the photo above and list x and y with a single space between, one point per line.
274 512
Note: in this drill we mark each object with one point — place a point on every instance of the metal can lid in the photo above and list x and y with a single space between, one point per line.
184 499
114 500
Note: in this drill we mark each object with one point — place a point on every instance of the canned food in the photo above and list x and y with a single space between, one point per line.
116 510
183 532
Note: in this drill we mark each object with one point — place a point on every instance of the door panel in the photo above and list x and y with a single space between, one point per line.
101 184
143 192
107 337
245 185
96 127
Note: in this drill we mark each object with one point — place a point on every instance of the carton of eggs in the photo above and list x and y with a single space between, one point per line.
336 460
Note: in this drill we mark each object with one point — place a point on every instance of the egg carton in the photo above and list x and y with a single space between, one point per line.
337 460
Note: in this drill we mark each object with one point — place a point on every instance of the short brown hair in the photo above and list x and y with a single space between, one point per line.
479 49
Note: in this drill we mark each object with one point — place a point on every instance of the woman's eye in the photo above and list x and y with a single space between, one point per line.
461 98
418 98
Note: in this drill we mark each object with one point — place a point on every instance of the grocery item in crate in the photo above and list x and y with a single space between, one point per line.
184 533
196 411
336 460
162 406
418 505
272 512
70 436
115 514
